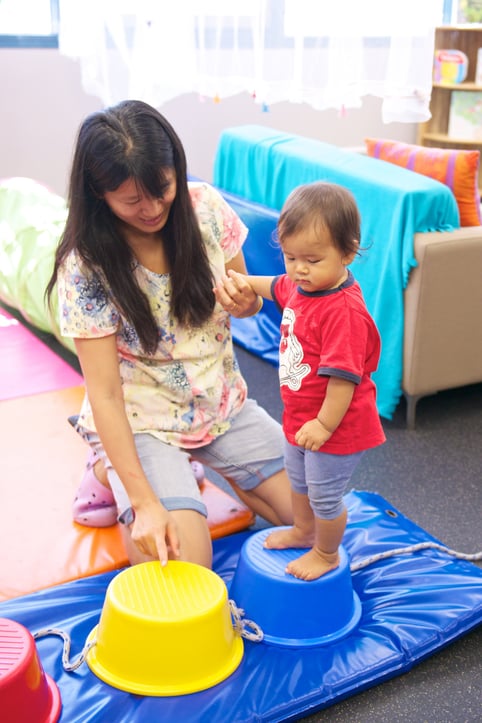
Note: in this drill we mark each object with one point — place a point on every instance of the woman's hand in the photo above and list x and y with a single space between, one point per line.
155 533
236 296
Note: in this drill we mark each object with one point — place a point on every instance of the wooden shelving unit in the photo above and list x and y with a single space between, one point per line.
435 132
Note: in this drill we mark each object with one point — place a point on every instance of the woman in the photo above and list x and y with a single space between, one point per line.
135 269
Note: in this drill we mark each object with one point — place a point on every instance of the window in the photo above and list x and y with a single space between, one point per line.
29 23
35 23
458 12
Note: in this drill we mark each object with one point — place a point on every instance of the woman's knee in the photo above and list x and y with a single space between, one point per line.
195 537
275 491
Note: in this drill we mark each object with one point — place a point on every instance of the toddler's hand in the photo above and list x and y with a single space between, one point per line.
312 435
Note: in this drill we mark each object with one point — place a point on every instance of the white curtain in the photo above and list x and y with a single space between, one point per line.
326 53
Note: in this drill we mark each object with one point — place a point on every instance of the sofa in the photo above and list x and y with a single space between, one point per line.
442 346
418 270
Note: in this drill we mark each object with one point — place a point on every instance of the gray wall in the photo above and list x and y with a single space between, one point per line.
43 103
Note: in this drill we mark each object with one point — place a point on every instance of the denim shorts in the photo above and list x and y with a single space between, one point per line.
250 452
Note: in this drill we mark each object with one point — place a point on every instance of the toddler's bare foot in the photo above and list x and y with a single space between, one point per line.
290 537
313 564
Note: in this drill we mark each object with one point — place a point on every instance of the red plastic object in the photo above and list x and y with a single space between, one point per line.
27 693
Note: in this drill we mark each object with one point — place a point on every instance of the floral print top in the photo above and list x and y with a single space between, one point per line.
190 389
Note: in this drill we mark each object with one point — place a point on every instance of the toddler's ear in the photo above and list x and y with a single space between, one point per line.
349 258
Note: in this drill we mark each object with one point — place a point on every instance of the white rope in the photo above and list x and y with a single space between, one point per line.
69 667
414 548
248 629
241 625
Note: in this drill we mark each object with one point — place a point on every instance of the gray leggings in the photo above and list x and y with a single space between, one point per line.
323 477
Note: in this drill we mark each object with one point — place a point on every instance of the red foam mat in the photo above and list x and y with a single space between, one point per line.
41 465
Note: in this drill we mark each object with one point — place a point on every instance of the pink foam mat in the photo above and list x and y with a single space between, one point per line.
27 365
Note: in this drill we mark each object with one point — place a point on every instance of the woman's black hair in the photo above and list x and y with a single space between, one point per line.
132 140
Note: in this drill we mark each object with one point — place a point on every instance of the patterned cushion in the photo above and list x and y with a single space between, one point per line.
457 169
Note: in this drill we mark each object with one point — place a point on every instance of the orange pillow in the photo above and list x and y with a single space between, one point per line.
459 170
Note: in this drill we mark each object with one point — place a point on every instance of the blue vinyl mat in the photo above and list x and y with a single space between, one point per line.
412 605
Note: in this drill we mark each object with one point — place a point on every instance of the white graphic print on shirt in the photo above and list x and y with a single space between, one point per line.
291 369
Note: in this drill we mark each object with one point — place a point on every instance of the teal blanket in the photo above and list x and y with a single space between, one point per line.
264 165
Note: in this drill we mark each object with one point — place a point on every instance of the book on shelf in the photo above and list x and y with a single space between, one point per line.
465 119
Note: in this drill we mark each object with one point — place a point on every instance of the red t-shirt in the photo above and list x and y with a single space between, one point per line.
324 334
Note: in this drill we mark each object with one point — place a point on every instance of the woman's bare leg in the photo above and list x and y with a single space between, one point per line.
101 473
195 538
271 499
